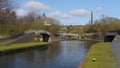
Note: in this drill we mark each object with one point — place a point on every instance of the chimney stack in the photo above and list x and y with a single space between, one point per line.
91 17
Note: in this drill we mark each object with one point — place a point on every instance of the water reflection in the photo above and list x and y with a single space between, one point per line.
64 54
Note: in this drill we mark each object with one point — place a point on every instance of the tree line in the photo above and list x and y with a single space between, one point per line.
104 24
100 26
10 23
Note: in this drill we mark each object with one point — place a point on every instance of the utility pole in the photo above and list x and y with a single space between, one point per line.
91 17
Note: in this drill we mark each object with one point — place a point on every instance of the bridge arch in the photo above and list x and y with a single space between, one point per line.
40 35
110 35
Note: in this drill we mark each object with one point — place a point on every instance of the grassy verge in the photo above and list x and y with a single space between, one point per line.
103 54
21 45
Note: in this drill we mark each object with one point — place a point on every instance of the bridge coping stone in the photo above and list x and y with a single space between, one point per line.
37 32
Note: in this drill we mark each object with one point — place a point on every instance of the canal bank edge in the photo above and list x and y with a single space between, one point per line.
15 46
92 40
102 52
84 60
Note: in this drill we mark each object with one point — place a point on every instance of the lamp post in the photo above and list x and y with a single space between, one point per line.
94 59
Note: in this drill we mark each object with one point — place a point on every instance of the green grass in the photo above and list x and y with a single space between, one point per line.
20 45
103 54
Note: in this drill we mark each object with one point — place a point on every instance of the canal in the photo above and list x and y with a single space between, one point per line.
63 54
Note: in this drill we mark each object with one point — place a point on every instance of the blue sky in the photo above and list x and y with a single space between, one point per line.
71 12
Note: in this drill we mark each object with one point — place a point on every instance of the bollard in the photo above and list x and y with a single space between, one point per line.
94 59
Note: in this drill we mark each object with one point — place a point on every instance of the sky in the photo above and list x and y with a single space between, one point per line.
70 12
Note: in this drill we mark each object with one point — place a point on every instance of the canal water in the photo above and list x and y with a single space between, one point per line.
63 54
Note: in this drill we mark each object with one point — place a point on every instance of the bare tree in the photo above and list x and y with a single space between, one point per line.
7 14
31 17
6 11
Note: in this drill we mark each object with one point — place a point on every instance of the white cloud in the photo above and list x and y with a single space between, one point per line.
106 15
20 12
54 14
79 12
58 14
70 14
37 5
98 9
66 16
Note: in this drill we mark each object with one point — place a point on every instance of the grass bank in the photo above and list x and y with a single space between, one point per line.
21 45
103 54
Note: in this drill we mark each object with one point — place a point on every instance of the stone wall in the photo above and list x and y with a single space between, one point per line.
23 39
